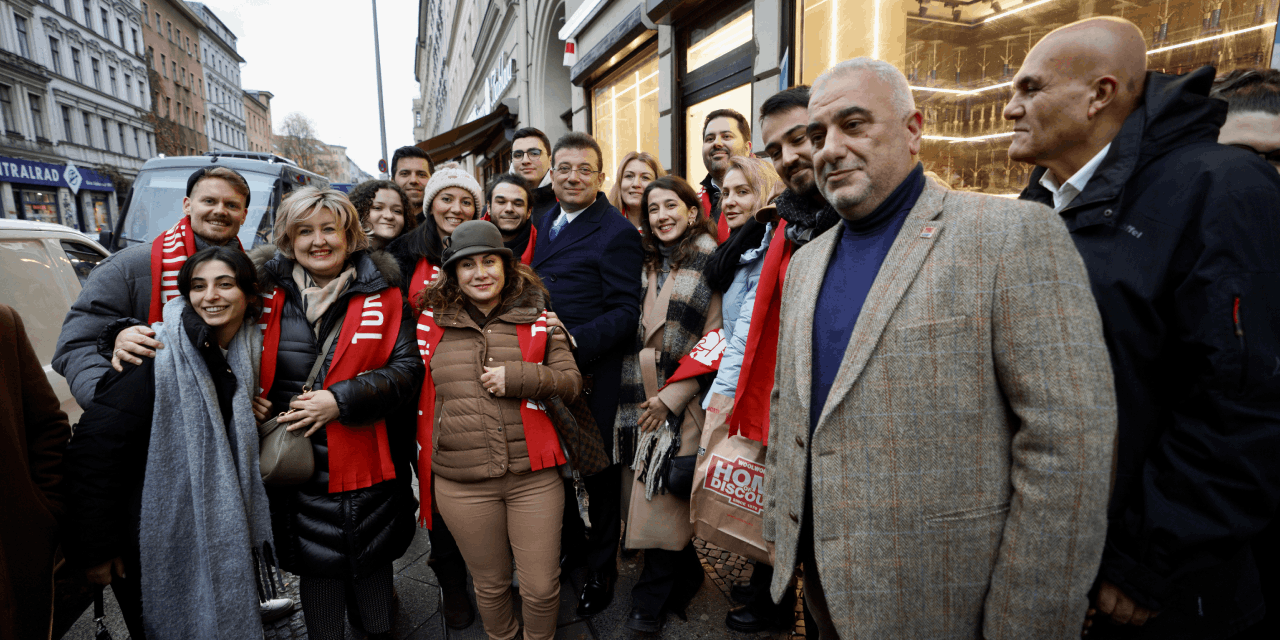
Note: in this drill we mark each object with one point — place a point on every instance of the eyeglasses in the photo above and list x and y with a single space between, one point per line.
585 173
1272 156
533 154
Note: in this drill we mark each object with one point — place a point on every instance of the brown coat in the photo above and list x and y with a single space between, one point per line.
478 436
33 436
663 522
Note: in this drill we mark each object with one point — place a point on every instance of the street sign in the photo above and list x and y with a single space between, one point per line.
72 175
382 165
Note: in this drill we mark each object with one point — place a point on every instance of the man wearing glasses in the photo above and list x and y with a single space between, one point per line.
531 160
1253 111
588 256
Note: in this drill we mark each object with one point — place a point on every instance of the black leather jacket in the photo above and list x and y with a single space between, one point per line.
349 534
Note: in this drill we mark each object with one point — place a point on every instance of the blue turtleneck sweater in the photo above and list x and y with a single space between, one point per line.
859 252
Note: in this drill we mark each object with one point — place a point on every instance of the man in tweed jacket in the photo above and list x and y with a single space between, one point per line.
949 477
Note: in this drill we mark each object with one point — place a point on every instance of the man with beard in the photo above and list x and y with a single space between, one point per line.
411 168
784 118
531 160
127 292
725 133
508 203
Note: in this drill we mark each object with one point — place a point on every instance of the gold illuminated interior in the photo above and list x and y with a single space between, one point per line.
718 39
738 99
960 58
625 113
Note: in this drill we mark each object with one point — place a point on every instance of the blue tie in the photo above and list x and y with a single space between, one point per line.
562 220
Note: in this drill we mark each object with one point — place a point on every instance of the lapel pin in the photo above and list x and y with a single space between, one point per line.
927 232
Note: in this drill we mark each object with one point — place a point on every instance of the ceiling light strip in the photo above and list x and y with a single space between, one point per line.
953 139
1013 11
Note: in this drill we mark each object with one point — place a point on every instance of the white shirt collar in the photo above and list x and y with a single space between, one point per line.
1074 186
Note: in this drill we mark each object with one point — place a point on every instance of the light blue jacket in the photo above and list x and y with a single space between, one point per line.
738 302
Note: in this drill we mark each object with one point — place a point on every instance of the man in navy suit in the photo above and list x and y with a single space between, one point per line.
588 256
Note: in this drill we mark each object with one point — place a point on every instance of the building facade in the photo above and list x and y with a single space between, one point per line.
644 73
171 34
75 104
257 120
223 100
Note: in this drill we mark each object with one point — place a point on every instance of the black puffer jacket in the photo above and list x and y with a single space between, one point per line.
1182 242
350 534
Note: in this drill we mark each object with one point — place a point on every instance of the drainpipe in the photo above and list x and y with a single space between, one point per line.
526 98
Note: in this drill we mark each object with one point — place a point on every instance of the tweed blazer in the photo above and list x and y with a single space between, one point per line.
961 466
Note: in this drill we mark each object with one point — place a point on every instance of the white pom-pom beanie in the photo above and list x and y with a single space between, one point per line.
451 175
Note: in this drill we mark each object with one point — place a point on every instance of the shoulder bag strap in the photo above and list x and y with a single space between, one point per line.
324 351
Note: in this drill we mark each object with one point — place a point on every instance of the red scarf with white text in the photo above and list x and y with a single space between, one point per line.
722 225
539 434
705 358
168 251
424 273
359 457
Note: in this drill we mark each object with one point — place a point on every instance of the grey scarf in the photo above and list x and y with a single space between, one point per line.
204 509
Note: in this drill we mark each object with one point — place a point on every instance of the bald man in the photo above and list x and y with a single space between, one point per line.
1180 238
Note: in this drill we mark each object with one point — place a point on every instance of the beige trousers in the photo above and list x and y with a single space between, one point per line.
496 518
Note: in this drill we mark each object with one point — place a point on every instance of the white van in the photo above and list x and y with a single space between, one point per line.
42 267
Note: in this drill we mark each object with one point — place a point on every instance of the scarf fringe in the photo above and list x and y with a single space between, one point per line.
653 456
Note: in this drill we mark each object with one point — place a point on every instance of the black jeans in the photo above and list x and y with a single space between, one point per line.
668 579
605 511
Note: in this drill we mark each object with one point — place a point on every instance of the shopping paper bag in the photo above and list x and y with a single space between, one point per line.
727 505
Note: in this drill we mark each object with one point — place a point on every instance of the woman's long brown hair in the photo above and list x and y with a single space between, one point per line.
446 291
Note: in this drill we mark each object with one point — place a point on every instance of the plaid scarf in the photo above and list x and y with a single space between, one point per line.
650 453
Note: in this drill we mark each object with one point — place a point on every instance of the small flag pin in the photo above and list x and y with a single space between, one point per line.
927 232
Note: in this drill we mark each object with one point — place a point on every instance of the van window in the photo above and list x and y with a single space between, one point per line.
83 258
156 204
31 286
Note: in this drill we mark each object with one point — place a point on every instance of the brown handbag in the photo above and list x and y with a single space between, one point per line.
578 434
285 457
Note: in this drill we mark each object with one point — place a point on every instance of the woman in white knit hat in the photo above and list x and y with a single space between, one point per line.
452 196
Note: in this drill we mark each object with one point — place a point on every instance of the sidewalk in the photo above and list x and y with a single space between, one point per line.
419 618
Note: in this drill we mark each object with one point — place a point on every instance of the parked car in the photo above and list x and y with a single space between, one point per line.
44 267
154 203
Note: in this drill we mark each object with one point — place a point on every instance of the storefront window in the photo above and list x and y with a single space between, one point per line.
738 99
960 60
718 38
41 206
625 113
101 213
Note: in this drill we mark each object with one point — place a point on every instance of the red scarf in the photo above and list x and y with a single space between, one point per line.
423 275
539 434
705 358
359 457
722 225
755 380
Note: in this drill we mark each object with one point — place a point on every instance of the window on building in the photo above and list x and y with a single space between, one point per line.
97 73
66 7
146 17
164 67
137 144
88 128
128 87
66 123
175 70
6 109
111 74
169 27
120 31
120 130
55 55
186 117
624 110
167 105
133 40
88 14
177 33
37 116
157 22
75 65
24 47
106 135
106 23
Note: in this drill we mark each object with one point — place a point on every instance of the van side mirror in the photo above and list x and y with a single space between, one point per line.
105 238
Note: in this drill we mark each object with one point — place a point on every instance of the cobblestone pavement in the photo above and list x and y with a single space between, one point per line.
419 617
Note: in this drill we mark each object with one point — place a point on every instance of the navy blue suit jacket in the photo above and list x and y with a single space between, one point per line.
592 270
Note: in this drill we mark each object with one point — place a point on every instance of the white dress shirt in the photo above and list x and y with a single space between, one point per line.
1063 195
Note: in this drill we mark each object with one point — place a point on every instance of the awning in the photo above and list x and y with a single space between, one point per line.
474 135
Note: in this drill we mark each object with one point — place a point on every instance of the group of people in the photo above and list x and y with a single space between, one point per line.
984 417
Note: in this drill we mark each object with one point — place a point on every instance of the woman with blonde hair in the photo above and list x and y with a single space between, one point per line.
750 185
635 172
332 302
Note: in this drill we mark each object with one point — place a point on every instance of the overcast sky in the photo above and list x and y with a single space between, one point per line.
316 57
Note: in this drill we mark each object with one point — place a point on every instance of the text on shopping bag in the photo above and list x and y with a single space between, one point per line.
740 480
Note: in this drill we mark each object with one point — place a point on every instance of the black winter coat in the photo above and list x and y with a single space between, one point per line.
350 534
1181 237
106 461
